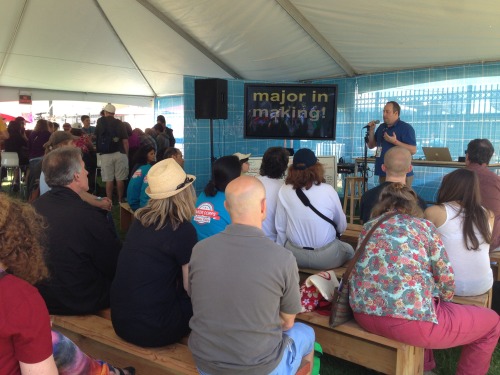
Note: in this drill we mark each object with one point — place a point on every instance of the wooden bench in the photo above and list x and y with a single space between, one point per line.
352 343
351 235
94 334
495 261
126 216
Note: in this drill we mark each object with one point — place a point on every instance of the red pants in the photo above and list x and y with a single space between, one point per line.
475 328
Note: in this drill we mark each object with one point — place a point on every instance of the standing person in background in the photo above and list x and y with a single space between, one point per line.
112 144
17 142
393 132
87 129
211 215
477 158
169 132
161 139
4 134
311 239
37 139
67 127
465 228
272 170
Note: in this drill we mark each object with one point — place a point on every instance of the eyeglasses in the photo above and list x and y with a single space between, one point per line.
186 181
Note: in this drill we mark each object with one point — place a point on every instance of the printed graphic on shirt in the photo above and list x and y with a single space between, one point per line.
137 173
205 213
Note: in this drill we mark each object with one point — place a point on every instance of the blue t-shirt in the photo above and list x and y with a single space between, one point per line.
136 190
404 133
211 216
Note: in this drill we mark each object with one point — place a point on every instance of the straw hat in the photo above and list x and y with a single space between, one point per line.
167 178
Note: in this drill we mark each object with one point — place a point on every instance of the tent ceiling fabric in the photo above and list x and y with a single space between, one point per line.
145 47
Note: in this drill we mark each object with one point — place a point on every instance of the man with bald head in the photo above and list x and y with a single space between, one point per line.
245 295
397 164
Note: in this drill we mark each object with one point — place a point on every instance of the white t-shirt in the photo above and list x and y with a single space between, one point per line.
272 186
301 225
473 275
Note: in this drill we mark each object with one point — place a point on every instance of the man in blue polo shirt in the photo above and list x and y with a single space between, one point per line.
392 132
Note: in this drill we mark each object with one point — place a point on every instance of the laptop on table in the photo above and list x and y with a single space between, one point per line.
437 153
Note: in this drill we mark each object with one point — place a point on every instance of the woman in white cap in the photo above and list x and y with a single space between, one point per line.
150 306
243 158
310 237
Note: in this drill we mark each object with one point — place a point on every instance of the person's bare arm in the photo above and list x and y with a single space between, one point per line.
287 320
371 135
102 203
46 367
185 277
125 145
436 214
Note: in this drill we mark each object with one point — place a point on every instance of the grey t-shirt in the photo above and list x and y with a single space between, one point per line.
240 281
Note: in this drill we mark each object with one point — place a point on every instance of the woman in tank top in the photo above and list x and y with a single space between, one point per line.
465 228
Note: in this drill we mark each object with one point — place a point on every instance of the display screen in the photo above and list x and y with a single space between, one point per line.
299 111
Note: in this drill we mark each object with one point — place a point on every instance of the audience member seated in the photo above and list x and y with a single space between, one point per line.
465 228
397 163
245 294
82 246
272 170
37 138
308 236
26 343
243 158
149 302
477 158
61 139
402 285
144 159
211 216
175 154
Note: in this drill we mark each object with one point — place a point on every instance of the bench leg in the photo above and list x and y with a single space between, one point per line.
410 361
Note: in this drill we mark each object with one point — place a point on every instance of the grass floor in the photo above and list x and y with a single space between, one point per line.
446 364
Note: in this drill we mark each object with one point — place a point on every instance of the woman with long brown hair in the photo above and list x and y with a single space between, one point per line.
402 285
311 238
465 228
149 301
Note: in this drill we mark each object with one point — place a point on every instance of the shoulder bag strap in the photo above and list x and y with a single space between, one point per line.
361 247
307 203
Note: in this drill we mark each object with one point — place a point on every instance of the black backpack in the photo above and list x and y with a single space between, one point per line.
108 140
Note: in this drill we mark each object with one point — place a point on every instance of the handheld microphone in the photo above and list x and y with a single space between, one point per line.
367 126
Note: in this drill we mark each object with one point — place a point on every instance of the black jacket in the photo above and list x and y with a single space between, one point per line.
82 253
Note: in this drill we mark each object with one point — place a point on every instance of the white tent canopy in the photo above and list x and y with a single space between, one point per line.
139 49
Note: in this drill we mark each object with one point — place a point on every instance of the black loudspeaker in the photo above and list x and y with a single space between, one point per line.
210 98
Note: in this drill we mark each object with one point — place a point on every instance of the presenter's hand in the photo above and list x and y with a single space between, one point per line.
371 126
391 139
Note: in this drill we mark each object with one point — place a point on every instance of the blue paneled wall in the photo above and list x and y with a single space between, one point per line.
446 106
